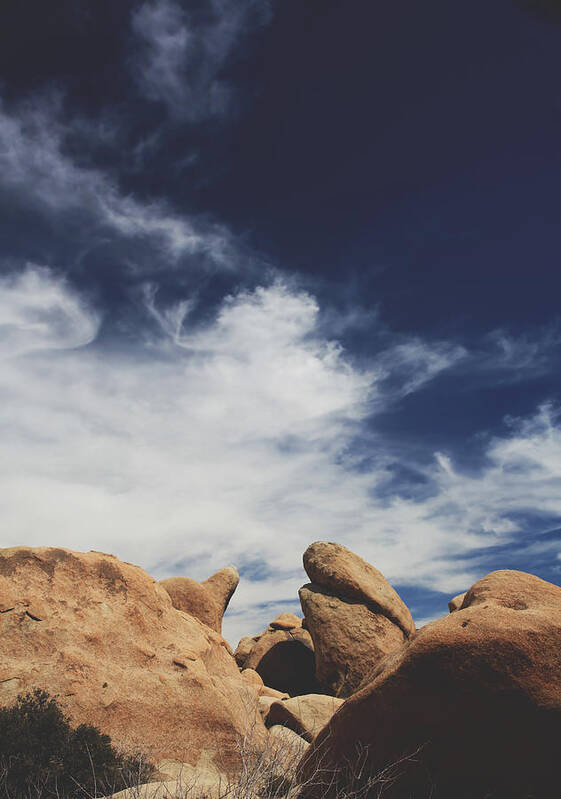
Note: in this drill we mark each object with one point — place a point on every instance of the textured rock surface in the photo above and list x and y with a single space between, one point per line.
286 621
207 601
353 614
251 677
348 576
244 648
456 602
272 692
286 749
477 694
305 715
105 638
181 779
349 639
264 705
284 658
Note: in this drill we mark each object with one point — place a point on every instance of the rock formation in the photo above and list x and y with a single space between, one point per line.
283 655
469 706
456 602
353 614
104 638
306 715
207 601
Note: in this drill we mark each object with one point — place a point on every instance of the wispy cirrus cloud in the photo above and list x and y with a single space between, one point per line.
233 440
35 166
181 52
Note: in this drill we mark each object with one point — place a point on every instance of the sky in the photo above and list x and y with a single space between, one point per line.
274 272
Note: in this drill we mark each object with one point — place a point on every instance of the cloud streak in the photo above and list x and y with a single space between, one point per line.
180 53
35 167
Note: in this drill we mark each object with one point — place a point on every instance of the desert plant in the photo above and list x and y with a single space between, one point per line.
43 756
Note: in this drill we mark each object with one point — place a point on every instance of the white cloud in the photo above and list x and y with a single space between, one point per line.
232 442
181 52
34 164
39 311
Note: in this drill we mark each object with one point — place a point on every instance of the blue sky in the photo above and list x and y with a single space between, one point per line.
274 272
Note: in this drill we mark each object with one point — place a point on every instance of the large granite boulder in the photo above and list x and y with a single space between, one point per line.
353 614
305 715
207 601
468 707
283 655
104 638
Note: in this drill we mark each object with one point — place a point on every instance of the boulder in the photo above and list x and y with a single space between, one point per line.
251 677
348 576
181 779
264 705
468 707
286 621
284 658
244 648
207 601
305 715
456 602
353 614
104 638
284 752
272 692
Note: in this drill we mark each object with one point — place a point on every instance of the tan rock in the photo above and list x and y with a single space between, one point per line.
470 706
456 602
208 600
104 637
348 576
283 658
286 621
286 749
243 649
182 779
305 715
349 639
264 705
274 694
221 586
252 678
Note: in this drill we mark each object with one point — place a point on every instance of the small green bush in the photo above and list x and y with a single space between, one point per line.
43 756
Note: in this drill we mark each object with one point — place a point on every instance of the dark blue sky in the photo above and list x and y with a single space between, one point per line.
316 244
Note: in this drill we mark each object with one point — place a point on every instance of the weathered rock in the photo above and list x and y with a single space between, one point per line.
286 621
470 706
104 637
285 750
207 601
305 715
353 614
251 677
283 658
205 780
222 585
348 576
264 705
456 602
182 779
349 639
244 648
272 692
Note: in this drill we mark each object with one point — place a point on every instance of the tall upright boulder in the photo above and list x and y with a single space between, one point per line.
469 707
353 614
104 638
207 601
